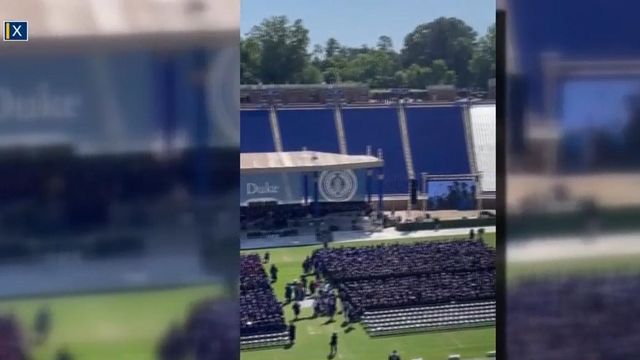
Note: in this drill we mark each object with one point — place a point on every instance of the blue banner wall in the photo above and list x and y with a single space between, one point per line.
103 103
83 101
288 188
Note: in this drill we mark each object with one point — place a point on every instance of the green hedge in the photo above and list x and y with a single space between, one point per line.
612 220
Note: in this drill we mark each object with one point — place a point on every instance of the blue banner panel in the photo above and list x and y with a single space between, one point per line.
288 188
91 103
103 103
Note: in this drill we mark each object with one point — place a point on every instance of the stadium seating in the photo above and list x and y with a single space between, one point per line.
313 128
483 128
378 127
210 332
574 317
398 292
424 318
261 317
256 131
436 135
353 263
437 138
264 340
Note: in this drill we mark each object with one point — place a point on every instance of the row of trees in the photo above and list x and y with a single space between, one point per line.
443 51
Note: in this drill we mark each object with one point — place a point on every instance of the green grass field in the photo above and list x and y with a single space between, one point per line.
128 325
312 338
113 326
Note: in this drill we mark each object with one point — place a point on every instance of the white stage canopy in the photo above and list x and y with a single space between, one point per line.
303 161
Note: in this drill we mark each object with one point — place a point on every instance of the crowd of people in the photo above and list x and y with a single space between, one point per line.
210 332
16 343
260 311
578 317
325 302
414 290
399 275
12 346
252 275
354 263
351 280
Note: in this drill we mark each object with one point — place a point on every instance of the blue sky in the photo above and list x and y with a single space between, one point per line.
357 22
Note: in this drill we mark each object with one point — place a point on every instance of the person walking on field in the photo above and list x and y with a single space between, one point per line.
274 273
312 288
296 309
42 324
334 344
292 333
287 293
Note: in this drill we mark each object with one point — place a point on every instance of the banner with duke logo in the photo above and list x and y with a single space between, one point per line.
288 188
338 185
111 102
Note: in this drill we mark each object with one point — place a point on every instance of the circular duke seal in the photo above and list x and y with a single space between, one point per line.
338 185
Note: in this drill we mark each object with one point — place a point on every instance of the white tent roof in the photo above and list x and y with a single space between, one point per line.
299 161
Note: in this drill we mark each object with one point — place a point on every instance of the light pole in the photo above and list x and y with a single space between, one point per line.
425 191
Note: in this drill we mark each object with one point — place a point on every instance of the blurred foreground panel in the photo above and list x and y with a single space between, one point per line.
573 130
119 154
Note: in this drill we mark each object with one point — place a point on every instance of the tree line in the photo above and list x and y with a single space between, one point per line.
443 51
